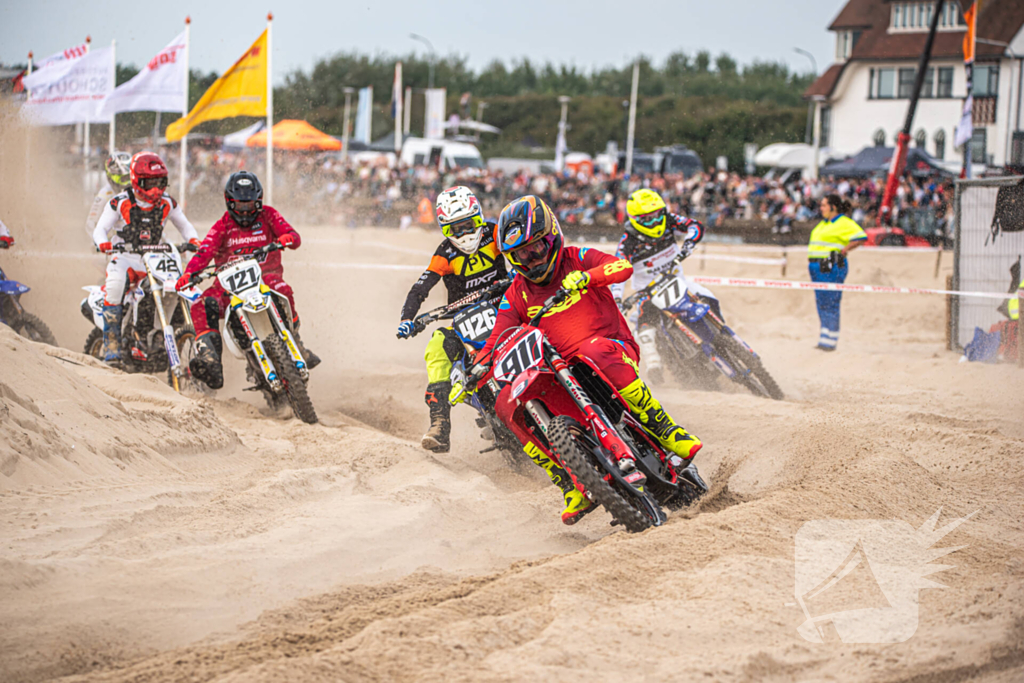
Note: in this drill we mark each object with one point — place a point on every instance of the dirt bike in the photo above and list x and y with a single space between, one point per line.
255 330
13 314
695 343
473 318
569 411
156 327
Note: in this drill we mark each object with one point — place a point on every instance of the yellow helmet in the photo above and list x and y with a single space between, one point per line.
647 212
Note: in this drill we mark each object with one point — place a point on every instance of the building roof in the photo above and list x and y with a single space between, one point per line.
1000 20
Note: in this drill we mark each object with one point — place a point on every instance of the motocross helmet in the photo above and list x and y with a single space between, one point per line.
647 213
149 176
460 218
118 168
243 196
530 238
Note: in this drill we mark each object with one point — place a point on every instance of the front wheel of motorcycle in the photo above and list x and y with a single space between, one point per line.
565 445
185 338
756 378
294 386
31 327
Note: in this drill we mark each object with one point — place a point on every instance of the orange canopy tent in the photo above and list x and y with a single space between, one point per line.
299 135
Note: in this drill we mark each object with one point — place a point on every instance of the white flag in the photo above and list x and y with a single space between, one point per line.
70 91
364 116
58 57
158 87
433 129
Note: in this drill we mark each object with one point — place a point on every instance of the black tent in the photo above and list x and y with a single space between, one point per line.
875 161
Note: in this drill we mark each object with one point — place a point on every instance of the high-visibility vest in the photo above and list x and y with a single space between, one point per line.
833 235
1014 305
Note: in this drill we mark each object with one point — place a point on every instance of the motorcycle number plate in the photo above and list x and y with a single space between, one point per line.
241 277
163 266
669 294
523 355
474 324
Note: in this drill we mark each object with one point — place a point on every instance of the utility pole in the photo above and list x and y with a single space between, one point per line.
430 46
631 130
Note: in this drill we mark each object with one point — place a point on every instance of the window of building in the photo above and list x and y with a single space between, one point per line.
917 16
845 42
979 146
886 84
986 80
945 88
940 144
879 138
921 139
906 87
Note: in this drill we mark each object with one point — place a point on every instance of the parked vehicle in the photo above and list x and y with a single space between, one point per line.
445 154
13 314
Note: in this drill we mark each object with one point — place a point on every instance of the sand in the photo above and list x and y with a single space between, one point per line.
146 536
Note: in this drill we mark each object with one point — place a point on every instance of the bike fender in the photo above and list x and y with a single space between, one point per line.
13 288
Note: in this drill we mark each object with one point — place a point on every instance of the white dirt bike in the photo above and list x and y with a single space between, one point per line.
156 327
255 330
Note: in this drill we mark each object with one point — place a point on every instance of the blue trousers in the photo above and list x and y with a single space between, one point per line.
828 303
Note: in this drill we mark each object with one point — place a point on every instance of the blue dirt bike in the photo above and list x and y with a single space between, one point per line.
13 314
695 343
473 318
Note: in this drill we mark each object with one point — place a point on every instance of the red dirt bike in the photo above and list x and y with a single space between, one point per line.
569 411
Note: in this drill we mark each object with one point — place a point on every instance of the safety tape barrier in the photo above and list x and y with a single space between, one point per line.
833 287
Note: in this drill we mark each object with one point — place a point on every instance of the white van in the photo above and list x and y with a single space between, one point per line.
446 153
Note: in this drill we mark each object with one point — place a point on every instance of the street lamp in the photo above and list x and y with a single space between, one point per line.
348 103
810 105
430 46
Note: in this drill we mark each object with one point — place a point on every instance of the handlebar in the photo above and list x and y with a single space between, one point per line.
125 248
552 301
210 271
421 321
632 299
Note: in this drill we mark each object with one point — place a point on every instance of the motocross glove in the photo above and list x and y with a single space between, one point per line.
687 247
194 242
405 329
183 282
577 279
288 240
106 247
6 242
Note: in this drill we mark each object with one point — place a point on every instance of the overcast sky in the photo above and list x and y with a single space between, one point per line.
587 33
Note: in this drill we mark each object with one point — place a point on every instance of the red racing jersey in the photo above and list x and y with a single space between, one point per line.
227 237
587 313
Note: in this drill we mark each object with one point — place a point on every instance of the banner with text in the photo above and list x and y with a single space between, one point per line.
160 86
70 90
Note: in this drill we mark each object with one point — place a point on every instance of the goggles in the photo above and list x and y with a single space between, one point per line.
649 220
464 227
151 183
119 179
532 253
244 207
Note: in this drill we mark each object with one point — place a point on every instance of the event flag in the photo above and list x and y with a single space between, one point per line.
965 128
160 86
364 116
396 106
433 127
240 91
71 53
69 89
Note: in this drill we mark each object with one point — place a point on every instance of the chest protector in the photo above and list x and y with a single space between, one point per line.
143 227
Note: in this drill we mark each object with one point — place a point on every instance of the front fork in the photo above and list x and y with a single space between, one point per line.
266 365
173 360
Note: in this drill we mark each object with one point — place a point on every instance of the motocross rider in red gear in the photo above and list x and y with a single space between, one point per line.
246 226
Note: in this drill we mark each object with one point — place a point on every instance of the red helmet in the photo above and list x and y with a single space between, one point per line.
149 176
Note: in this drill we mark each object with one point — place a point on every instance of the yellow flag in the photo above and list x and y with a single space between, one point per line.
241 91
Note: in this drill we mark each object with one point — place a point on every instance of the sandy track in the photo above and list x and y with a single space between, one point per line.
344 552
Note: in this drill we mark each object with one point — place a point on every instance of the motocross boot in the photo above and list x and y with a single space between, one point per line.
649 352
437 438
112 335
657 422
312 360
205 364
576 503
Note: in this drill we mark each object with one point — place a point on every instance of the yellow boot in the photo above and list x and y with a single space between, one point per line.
657 422
576 504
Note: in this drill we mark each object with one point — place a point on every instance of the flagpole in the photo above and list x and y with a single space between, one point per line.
407 110
113 115
270 112
184 113
631 126
28 147
399 118
85 143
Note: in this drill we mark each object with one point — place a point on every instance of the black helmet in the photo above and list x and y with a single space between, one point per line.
243 196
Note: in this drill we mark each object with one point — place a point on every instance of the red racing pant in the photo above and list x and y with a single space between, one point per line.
217 293
617 359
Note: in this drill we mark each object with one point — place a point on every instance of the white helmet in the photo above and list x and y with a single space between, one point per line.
460 218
